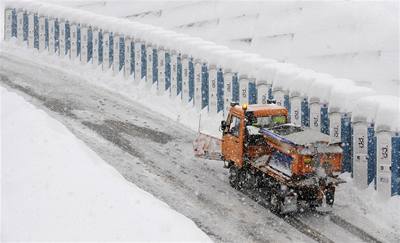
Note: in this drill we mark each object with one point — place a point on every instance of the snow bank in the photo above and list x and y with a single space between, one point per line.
383 110
368 204
55 188
339 94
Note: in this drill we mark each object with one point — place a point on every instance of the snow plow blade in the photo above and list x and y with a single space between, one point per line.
207 147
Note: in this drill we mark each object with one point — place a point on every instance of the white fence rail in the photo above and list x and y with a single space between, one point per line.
210 76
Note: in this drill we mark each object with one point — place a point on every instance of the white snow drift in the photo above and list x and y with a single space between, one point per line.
56 188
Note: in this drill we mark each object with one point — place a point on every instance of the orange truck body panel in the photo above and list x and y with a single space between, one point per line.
232 147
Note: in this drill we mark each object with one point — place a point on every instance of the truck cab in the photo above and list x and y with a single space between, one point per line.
235 130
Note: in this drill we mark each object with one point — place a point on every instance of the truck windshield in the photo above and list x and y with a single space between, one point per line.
269 121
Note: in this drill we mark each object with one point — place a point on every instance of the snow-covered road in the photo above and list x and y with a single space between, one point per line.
149 150
152 151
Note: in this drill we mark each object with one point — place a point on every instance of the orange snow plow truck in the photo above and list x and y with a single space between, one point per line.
289 167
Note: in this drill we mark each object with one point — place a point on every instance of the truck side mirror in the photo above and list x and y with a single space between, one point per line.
223 125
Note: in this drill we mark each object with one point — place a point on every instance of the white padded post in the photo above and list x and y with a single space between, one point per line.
62 37
185 78
74 41
7 24
138 61
84 43
384 162
95 41
262 93
335 127
295 109
161 70
149 65
106 51
31 37
42 33
227 90
127 65
52 47
197 84
116 51
315 114
212 89
174 74
360 153
279 96
20 26
243 89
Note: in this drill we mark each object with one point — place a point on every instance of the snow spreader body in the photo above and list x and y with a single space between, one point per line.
290 167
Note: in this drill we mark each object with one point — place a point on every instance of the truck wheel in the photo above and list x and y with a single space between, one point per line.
275 203
233 177
330 195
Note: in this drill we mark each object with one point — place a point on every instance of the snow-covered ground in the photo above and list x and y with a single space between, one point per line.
364 206
359 207
358 40
55 188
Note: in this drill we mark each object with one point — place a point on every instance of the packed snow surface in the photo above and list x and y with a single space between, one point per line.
56 188
360 206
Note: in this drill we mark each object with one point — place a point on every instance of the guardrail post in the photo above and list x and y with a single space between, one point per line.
197 84
244 89
347 142
174 73
149 65
31 26
227 90
371 154
84 43
96 46
106 51
305 113
279 95
315 114
62 31
360 152
128 57
168 71
324 119
262 89
42 33
52 41
36 31
384 162
74 40
116 52
252 91
212 92
204 86
220 90
155 66
185 78
138 61
161 70
335 126
20 26
396 164
7 23
295 108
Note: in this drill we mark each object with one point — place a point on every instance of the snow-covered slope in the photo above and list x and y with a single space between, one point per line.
356 40
56 188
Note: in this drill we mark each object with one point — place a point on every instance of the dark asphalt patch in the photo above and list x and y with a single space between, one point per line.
138 131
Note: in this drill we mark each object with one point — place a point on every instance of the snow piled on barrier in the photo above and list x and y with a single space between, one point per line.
55 188
340 94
